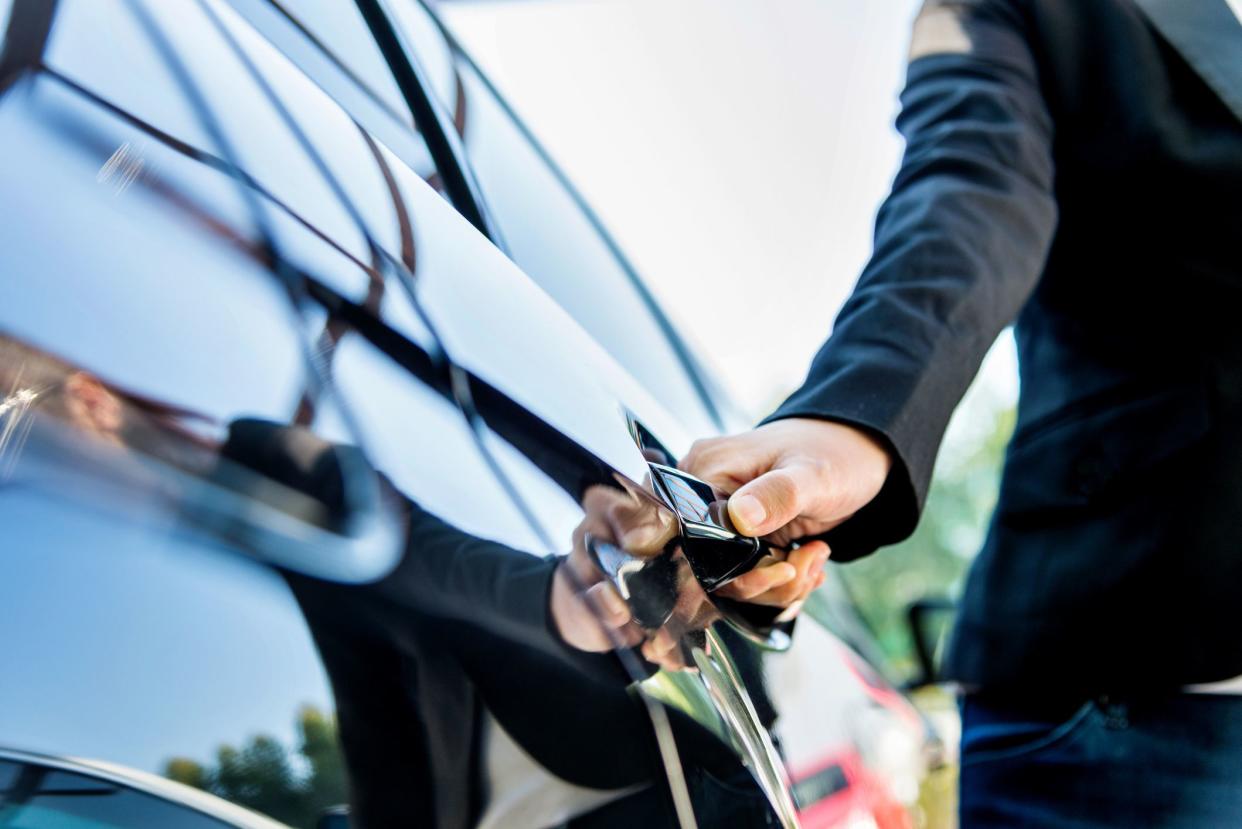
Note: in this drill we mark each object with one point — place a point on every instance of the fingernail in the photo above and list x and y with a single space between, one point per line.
747 511
784 573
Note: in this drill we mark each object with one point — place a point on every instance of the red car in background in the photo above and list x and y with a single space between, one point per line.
840 793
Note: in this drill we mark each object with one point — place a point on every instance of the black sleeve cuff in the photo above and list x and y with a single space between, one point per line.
888 518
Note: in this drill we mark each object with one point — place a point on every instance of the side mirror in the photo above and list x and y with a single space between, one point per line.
929 620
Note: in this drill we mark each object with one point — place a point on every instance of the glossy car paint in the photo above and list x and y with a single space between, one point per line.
251 231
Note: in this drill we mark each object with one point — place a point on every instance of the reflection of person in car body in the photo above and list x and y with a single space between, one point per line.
459 621
588 621
1075 167
643 528
33 380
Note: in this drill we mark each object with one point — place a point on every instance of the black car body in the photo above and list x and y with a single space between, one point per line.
232 220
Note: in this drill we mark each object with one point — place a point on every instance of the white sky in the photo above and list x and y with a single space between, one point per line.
737 149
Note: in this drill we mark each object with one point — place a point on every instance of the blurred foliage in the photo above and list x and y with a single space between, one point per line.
933 562
291 786
936 807
937 803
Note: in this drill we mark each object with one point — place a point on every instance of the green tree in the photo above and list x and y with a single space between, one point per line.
326 781
270 779
933 561
259 777
187 772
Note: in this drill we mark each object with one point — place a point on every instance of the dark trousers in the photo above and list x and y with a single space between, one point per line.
1167 762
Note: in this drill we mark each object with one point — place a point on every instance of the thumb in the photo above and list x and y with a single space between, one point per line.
770 501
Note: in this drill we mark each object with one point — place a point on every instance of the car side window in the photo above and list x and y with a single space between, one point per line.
36 796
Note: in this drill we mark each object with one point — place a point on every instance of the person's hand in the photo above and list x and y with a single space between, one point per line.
792 478
587 610
781 582
588 620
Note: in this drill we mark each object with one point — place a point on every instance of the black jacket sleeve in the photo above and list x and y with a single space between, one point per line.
451 574
960 243
443 572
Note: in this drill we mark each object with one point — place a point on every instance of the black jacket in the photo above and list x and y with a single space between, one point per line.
1074 166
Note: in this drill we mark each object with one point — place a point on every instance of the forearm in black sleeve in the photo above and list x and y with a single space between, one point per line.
959 246
485 585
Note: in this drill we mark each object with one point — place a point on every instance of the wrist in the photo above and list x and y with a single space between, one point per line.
840 444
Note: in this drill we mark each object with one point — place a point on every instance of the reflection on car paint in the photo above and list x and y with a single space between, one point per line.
236 347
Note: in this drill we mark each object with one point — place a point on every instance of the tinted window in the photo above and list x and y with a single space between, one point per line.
133 205
47 798
8 774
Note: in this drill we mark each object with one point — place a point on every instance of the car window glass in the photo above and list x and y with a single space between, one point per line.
62 800
368 173
310 223
104 48
8 774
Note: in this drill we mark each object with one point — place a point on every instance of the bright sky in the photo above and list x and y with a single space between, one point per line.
737 149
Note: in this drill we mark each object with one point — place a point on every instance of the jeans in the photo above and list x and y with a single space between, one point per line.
1168 762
